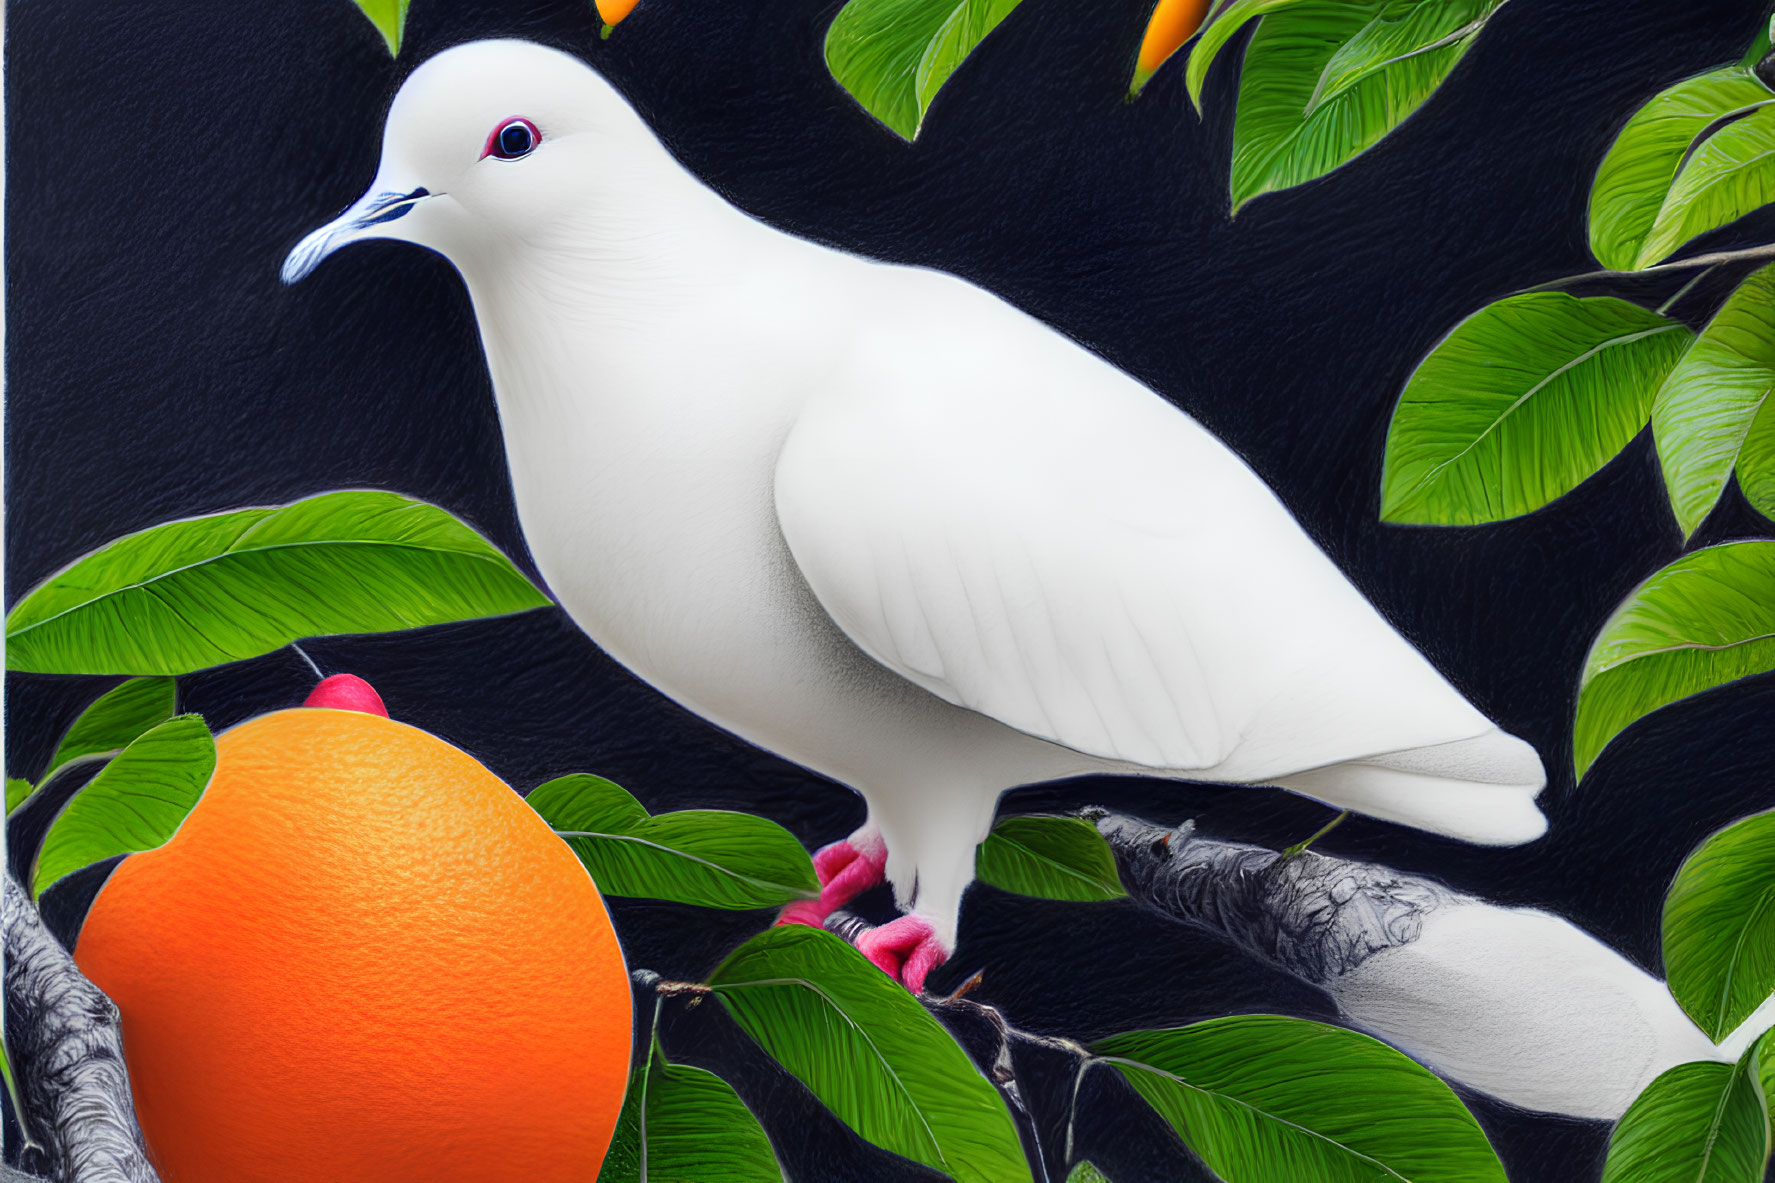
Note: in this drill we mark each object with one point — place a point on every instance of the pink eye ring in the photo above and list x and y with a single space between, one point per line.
512 140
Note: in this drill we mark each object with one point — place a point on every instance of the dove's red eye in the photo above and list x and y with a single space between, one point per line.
512 139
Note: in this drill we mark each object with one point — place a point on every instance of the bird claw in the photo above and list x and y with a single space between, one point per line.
906 950
846 869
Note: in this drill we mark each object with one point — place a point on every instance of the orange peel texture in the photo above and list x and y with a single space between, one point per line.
363 958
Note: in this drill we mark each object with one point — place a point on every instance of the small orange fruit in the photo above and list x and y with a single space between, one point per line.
363 959
1173 23
611 12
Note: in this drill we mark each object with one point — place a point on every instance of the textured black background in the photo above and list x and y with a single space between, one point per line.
163 157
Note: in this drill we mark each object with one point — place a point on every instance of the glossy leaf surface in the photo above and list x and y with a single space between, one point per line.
1724 177
1397 33
1705 620
206 591
1054 858
1524 400
1634 181
115 719
681 1124
136 802
710 857
1224 25
390 19
870 1053
1719 926
1266 1099
1324 81
17 789
1702 1122
894 55
1716 404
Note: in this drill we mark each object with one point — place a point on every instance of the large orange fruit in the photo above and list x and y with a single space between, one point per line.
363 957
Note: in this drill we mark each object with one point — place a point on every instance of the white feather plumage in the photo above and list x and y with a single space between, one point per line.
876 520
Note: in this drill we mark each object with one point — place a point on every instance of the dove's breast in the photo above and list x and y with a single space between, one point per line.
642 446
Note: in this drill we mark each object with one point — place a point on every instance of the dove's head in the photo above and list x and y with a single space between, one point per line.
491 147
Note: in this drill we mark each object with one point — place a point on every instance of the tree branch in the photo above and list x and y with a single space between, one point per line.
1315 916
1514 1002
1511 1001
67 1047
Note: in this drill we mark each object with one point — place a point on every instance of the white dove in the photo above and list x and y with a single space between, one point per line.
878 521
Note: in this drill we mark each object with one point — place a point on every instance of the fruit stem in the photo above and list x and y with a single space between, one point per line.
1664 308
1301 847
300 652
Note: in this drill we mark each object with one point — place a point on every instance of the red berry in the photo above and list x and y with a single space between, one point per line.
346 692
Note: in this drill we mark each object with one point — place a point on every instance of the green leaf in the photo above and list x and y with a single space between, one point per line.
1054 858
1635 177
1726 176
1303 111
1524 400
1762 1055
1719 926
13 1097
205 591
17 789
710 857
115 719
1756 462
1217 31
1709 404
390 19
1760 44
1705 620
1400 32
894 55
1086 1172
1702 1122
136 802
870 1053
1265 1099
683 1125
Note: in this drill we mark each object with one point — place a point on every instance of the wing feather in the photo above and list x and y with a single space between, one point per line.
1025 531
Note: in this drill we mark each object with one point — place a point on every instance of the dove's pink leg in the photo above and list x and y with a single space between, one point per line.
906 950
846 870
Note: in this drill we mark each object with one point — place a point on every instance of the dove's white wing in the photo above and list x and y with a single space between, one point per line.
1017 526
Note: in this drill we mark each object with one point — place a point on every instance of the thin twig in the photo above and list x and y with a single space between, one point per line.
303 654
1301 847
1713 259
1664 308
682 989
967 987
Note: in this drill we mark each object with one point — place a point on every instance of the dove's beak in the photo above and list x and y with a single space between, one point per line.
368 218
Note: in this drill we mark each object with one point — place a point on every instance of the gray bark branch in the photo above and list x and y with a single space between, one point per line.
1312 915
1315 916
67 1049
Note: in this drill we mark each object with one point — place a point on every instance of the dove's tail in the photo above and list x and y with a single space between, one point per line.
1481 789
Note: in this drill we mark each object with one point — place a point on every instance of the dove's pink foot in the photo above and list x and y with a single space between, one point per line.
906 950
846 870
